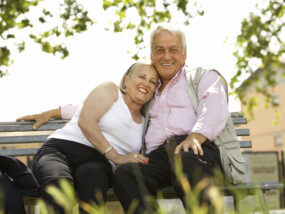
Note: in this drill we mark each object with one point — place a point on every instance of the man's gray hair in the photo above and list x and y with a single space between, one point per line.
173 29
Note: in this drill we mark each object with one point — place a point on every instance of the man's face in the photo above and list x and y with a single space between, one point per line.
167 55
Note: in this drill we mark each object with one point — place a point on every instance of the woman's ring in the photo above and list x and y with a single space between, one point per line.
135 155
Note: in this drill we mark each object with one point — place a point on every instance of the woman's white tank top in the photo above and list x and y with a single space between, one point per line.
116 125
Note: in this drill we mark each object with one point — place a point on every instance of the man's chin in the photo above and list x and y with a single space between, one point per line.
167 72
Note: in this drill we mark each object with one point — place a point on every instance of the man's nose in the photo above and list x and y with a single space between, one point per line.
166 54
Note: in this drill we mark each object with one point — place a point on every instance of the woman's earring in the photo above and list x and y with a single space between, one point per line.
124 86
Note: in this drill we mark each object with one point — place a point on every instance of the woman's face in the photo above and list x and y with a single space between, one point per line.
141 83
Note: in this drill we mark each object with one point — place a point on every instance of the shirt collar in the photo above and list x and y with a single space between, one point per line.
177 75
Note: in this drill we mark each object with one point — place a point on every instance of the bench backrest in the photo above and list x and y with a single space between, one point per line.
14 135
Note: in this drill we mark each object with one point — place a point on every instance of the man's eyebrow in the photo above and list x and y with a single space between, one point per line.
158 46
174 46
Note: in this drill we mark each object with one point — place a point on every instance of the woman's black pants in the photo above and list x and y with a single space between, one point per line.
84 167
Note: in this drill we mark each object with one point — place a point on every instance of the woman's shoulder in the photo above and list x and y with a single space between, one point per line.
109 87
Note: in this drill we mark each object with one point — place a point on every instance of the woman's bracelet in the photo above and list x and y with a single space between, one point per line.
107 150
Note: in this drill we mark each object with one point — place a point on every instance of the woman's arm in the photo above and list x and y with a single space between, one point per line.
97 103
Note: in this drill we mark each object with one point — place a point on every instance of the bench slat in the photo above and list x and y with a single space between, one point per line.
22 139
52 121
28 126
236 115
242 132
27 152
42 138
56 124
245 144
239 121
18 152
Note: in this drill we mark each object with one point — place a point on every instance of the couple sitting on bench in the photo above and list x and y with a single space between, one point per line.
99 147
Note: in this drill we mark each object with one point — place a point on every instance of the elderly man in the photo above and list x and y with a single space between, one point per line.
173 119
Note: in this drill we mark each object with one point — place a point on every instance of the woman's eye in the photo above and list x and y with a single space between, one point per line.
153 82
142 77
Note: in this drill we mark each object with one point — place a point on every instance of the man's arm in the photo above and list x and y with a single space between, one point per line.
212 114
42 117
63 112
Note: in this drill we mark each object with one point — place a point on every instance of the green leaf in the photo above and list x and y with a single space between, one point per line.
25 23
42 20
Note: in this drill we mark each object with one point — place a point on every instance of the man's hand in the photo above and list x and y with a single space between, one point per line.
194 142
42 118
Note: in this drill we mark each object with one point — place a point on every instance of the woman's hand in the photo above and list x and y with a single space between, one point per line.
122 159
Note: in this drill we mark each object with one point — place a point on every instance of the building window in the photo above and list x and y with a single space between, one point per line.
278 140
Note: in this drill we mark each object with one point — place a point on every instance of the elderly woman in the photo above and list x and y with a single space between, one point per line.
105 132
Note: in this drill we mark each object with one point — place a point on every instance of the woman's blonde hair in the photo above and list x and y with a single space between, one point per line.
133 67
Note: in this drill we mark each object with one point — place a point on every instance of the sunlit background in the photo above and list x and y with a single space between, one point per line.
38 81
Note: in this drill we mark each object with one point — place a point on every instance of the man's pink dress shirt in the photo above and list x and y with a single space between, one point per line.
67 111
172 114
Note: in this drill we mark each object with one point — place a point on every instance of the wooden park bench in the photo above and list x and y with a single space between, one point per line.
18 139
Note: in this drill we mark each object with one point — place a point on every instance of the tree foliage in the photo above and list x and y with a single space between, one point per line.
51 25
16 22
261 44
